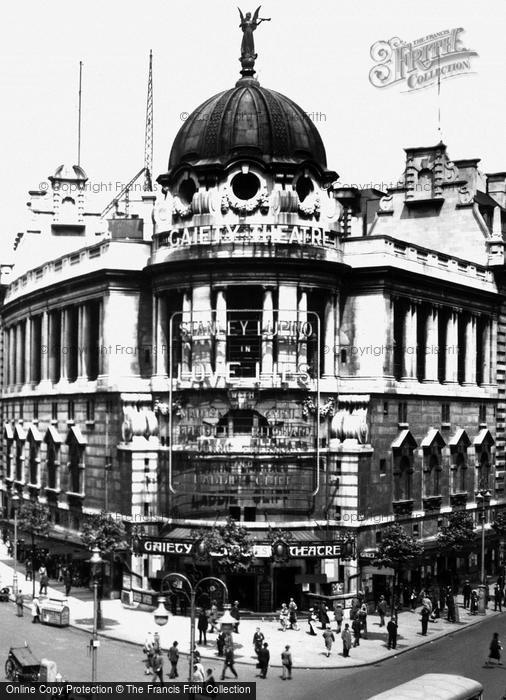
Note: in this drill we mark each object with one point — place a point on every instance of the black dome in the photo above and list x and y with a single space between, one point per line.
248 121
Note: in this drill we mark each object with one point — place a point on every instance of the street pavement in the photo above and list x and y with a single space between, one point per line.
132 625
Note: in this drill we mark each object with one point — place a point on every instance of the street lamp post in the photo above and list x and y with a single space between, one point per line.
161 618
482 498
96 562
15 501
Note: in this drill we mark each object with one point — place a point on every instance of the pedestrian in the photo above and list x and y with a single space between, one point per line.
157 667
213 617
286 663
229 661
466 592
234 611
450 604
392 633
328 638
19 603
35 610
382 610
311 621
148 650
202 627
43 581
157 648
220 643
210 681
355 626
494 650
197 665
474 602
324 616
28 570
413 598
425 614
173 655
346 638
362 616
338 616
264 656
497 598
292 614
197 676
67 581
283 617
258 640
355 607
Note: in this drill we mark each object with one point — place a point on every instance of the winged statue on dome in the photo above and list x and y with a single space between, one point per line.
248 26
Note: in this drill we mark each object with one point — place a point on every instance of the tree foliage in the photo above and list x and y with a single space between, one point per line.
231 542
499 524
34 518
103 531
397 547
458 535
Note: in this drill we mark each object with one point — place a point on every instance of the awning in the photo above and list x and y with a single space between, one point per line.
188 533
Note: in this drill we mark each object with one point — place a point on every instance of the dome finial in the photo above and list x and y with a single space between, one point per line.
248 55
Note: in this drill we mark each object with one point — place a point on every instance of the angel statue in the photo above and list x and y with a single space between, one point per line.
248 26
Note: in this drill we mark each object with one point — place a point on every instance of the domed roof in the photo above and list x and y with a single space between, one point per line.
247 121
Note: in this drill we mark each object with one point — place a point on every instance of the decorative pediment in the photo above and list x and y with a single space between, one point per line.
484 439
75 436
19 433
52 436
460 437
33 433
433 439
404 439
8 432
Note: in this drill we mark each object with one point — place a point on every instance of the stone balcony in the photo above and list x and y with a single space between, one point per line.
458 499
404 507
431 503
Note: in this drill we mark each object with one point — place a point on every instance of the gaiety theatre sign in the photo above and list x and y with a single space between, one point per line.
308 550
250 233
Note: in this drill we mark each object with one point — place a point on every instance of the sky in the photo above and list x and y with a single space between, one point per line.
318 54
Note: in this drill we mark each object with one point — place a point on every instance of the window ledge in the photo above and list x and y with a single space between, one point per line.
73 494
402 426
54 421
446 426
50 489
90 423
71 421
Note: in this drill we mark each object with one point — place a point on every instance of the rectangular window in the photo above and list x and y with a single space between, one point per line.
90 410
483 413
385 408
70 410
445 413
35 410
383 467
416 530
21 411
54 410
402 411
378 536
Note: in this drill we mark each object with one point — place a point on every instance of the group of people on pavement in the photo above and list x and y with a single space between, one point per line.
288 616
263 654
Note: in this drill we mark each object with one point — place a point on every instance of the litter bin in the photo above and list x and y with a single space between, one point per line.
54 612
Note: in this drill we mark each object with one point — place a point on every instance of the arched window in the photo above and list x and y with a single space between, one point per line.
405 472
484 471
460 474
424 185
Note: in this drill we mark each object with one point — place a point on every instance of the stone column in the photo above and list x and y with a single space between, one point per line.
287 326
83 342
5 377
267 333
159 340
186 350
53 359
302 334
28 351
409 342
12 358
19 354
337 326
329 334
486 342
470 351
431 346
221 332
44 350
201 317
452 348
64 350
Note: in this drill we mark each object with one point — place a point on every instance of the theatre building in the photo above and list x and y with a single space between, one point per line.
312 360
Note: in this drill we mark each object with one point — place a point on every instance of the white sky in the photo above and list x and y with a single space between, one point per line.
315 53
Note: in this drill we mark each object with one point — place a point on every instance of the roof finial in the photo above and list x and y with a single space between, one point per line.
248 55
